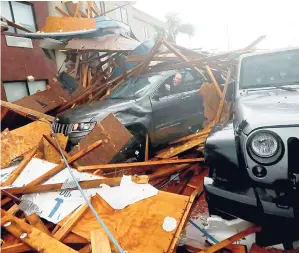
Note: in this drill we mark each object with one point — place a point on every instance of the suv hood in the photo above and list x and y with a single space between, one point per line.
94 111
267 108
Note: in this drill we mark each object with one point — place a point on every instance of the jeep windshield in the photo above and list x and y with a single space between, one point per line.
135 87
270 70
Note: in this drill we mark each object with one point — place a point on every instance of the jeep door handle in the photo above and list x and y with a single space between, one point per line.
185 97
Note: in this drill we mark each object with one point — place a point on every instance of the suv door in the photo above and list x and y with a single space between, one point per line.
174 114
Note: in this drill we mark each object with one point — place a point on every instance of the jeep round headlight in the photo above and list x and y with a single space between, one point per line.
264 144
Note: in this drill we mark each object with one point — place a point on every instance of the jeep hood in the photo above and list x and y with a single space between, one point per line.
267 109
126 110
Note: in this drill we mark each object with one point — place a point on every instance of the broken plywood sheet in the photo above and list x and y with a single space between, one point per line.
17 142
42 101
138 227
211 103
50 154
114 136
68 24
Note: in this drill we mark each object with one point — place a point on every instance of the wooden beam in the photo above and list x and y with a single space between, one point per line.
146 148
231 239
182 57
15 248
201 133
12 24
20 109
143 179
62 165
14 175
209 71
31 236
70 223
83 15
184 218
170 152
77 9
86 249
62 12
109 167
99 242
95 88
36 222
221 104
166 171
149 57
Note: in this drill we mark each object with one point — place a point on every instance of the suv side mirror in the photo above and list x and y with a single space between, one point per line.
156 97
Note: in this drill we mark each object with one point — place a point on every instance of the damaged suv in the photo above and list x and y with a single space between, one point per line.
145 105
254 158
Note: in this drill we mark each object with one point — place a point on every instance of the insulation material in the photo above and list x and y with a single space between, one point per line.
58 204
127 193
114 136
50 154
68 24
17 142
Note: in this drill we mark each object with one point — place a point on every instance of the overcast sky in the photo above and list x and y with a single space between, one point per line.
233 24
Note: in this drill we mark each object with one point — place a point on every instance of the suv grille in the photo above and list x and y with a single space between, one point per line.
61 128
293 158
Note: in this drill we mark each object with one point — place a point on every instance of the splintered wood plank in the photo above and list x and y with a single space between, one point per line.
182 57
23 110
114 136
77 9
16 248
31 236
62 165
204 132
146 148
222 101
18 142
115 181
111 167
70 223
209 71
231 239
62 12
36 221
173 151
99 242
86 249
138 227
14 175
51 154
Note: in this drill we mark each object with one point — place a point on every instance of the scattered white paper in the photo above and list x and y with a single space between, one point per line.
169 224
53 206
127 193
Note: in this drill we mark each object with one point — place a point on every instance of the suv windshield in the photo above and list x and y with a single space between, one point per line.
135 88
273 69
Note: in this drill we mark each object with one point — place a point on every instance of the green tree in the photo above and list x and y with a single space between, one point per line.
174 27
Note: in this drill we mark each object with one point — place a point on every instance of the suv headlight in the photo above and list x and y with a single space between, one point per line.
265 147
264 144
83 126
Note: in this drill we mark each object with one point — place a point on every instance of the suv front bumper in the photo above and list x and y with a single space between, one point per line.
245 204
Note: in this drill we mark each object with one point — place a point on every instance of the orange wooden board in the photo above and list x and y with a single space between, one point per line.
17 142
68 24
138 227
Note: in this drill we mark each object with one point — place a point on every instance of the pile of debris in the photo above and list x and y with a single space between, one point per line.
81 201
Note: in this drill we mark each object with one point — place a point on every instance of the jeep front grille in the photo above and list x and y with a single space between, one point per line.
61 128
293 155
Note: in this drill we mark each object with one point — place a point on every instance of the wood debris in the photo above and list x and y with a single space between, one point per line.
176 171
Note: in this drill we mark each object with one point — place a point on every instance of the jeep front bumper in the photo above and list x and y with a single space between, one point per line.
246 205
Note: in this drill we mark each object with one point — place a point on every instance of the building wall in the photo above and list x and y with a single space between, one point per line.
18 63
142 22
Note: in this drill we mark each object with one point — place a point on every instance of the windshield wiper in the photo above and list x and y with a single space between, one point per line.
285 88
